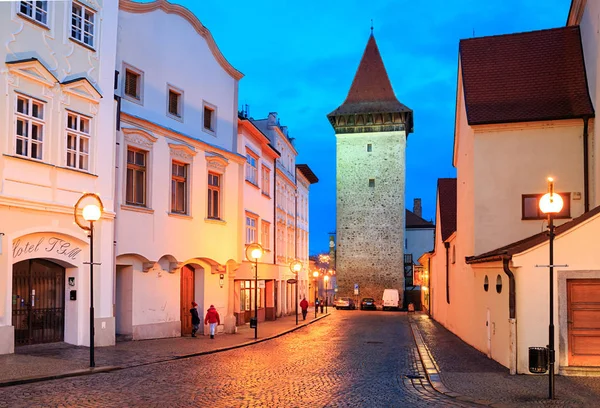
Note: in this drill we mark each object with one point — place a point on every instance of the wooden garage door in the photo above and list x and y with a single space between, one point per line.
583 297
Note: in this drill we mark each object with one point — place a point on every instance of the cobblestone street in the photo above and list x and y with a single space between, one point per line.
351 359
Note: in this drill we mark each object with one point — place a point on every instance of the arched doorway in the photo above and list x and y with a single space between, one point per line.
187 297
38 302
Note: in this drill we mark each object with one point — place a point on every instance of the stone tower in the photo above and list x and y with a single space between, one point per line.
371 128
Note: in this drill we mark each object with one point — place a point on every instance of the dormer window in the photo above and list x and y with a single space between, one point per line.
35 10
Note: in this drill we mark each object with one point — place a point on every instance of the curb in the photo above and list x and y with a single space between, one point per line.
432 372
108 369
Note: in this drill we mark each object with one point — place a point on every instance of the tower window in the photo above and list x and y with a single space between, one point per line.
371 182
369 147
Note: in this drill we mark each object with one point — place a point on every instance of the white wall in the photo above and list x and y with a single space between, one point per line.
418 241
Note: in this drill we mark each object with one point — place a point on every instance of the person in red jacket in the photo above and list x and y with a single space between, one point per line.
304 307
212 319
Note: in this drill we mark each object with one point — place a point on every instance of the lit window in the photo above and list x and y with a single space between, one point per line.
214 195
530 204
82 24
136 177
29 127
178 188
78 141
266 180
251 222
35 10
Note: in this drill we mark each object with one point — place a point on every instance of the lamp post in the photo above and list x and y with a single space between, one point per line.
316 276
91 213
296 267
254 252
326 277
551 204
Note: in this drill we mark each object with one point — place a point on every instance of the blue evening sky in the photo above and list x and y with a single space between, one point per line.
299 59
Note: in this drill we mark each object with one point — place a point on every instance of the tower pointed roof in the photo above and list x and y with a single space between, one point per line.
371 90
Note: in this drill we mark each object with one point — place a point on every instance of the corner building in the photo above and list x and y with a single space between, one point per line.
371 128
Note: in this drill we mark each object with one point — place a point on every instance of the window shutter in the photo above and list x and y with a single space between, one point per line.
174 103
131 84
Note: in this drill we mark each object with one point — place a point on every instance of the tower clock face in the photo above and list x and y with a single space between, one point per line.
331 244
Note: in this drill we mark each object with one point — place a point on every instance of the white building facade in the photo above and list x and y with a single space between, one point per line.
57 117
179 177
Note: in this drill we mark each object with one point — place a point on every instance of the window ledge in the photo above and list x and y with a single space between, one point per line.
77 170
266 195
84 45
209 131
180 215
135 208
175 117
132 99
252 184
33 20
215 221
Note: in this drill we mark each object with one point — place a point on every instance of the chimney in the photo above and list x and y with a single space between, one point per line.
417 207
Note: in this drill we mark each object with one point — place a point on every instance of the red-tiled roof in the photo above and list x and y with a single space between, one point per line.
538 75
529 242
414 221
371 90
447 202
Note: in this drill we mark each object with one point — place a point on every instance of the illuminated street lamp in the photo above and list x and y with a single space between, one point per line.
316 276
551 203
91 213
296 267
254 252
326 277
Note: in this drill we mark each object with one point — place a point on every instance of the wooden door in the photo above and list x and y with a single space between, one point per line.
583 308
187 297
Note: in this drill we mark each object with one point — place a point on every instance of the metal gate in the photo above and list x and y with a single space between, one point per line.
38 302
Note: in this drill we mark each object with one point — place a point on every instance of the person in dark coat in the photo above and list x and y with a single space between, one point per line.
322 304
212 319
304 307
195 318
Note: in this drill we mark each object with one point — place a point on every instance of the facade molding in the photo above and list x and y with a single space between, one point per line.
169 8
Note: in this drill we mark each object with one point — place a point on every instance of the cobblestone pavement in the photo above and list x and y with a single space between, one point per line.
469 372
350 359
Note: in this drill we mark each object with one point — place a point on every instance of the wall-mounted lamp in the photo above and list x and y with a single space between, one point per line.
221 280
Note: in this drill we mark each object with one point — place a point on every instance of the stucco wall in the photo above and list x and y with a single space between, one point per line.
418 241
370 220
515 159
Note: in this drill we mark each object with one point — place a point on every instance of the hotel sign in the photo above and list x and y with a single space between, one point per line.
45 246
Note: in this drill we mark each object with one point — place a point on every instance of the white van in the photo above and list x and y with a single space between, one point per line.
391 299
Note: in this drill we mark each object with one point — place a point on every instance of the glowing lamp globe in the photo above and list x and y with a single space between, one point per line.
315 274
551 203
326 278
92 212
296 266
254 251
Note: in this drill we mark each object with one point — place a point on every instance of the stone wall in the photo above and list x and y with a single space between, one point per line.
370 212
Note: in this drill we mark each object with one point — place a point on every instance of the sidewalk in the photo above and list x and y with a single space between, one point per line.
57 360
471 376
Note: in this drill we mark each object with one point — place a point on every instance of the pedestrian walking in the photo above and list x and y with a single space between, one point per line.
195 318
212 319
304 307
322 304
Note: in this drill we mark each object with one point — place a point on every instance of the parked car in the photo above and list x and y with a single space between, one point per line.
344 303
391 299
368 303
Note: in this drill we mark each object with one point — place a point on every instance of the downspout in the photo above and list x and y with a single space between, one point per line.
586 176
512 315
447 246
430 305
275 211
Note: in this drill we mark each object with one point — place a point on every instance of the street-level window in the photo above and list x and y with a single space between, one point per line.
82 24
29 127
35 10
214 195
266 180
530 204
179 188
136 177
247 296
265 234
251 226
78 141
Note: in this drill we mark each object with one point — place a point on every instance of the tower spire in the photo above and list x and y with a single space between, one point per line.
371 26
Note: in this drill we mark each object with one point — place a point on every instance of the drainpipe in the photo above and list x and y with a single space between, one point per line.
512 315
447 246
275 211
586 176
430 305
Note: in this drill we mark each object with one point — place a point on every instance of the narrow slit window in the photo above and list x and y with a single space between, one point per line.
371 182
